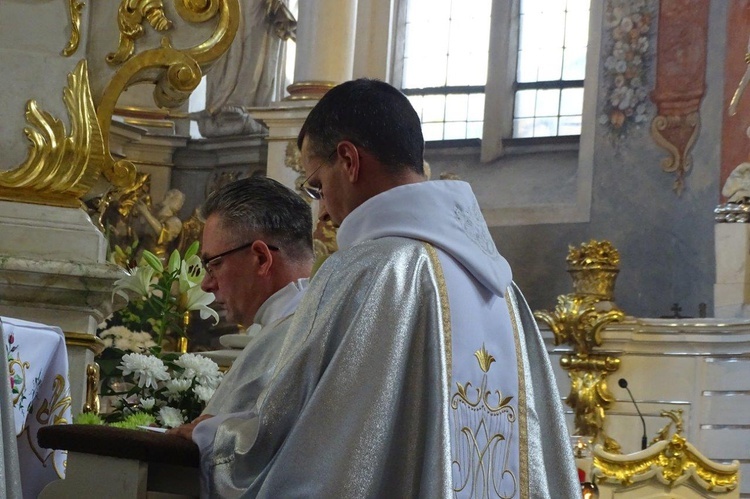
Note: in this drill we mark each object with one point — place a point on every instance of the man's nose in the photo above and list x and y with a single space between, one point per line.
209 283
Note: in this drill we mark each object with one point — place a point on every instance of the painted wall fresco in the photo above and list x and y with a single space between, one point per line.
628 27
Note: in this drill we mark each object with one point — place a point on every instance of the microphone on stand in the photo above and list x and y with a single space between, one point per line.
644 439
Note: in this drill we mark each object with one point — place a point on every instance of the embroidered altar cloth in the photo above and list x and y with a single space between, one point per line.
40 393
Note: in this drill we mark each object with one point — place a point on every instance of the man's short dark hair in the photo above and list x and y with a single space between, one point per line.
372 115
260 207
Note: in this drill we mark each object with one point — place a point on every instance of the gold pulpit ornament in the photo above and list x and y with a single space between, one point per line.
578 320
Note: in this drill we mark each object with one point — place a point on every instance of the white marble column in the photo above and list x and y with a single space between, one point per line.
326 31
732 288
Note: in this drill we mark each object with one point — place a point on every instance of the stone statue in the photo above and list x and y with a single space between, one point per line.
737 186
162 226
251 73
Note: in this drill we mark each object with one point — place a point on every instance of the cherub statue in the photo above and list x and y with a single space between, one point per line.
737 186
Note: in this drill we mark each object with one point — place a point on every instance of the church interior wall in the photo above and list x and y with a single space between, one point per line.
666 241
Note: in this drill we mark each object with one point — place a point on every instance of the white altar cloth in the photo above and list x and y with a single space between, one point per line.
40 392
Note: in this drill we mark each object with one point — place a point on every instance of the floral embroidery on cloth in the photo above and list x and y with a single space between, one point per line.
486 430
469 217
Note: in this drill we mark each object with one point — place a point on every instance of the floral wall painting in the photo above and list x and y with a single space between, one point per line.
628 30
682 45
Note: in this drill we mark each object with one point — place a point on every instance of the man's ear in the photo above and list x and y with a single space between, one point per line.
264 255
349 153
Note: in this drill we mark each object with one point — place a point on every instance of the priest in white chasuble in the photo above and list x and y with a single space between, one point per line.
258 256
413 366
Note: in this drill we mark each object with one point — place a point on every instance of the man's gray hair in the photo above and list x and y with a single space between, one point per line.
260 207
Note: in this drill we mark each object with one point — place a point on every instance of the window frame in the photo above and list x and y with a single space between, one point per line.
508 155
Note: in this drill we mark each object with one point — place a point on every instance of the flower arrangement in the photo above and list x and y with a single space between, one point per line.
164 294
625 68
168 389
143 381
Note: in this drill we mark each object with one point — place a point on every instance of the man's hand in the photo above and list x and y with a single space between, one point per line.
186 430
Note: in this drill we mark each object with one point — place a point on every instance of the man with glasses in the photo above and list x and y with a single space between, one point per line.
414 367
257 252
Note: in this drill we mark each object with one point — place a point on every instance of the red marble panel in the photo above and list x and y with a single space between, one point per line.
735 144
682 45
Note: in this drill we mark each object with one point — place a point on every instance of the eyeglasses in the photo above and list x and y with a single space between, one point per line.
315 192
312 192
210 263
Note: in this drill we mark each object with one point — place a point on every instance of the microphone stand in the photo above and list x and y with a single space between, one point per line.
644 439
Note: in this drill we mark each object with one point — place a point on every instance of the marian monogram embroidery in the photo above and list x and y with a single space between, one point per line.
485 424
470 218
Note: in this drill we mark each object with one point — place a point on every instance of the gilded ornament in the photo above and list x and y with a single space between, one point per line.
60 167
219 42
197 11
578 320
176 76
92 389
175 73
671 462
74 9
594 268
130 17
589 393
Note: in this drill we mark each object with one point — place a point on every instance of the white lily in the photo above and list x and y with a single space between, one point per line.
191 273
138 280
197 299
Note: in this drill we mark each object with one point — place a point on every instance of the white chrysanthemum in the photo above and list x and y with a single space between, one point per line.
170 417
175 386
148 403
148 370
204 393
204 370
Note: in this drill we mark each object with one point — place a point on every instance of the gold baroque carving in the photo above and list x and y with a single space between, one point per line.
197 11
577 320
60 167
671 461
92 388
206 53
589 394
74 9
130 17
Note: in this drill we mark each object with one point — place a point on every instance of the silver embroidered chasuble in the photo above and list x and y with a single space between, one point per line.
412 368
